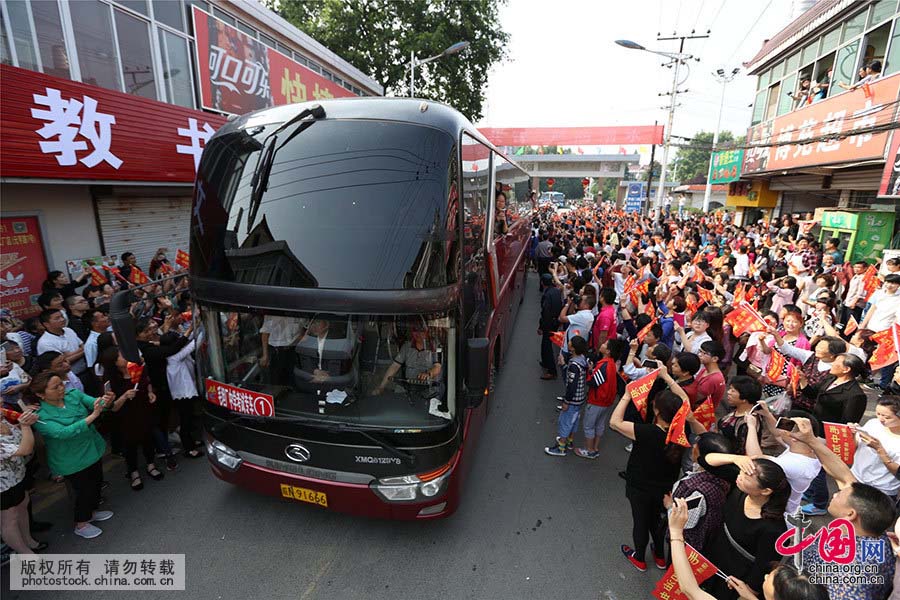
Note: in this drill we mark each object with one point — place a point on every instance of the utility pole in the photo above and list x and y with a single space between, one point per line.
646 210
723 78
678 59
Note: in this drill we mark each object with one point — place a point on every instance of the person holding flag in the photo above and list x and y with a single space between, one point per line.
652 469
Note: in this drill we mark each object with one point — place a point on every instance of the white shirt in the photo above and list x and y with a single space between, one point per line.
64 344
180 373
885 311
800 470
579 324
283 331
741 265
90 348
868 468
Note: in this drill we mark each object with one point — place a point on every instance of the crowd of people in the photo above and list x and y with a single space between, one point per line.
726 449
68 394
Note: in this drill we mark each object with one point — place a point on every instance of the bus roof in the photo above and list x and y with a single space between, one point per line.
406 110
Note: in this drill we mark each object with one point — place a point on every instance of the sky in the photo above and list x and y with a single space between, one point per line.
564 68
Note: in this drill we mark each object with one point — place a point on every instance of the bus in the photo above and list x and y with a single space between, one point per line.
356 270
557 199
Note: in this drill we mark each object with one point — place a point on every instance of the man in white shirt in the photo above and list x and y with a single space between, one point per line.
59 338
277 337
578 323
885 306
742 263
854 302
99 322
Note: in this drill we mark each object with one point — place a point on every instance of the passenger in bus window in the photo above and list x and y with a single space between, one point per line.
277 337
317 333
418 361
501 219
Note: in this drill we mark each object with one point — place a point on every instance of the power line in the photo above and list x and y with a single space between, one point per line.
749 31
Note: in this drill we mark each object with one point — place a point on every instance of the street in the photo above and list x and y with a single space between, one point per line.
531 526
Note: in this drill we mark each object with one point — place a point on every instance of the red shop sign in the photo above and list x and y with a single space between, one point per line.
239 74
62 129
23 265
890 180
239 400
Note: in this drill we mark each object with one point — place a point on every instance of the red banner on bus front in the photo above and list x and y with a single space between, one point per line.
239 400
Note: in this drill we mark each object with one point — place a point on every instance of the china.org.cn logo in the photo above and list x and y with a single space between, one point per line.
840 558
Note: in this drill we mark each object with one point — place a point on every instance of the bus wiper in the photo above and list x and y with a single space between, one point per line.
397 452
260 181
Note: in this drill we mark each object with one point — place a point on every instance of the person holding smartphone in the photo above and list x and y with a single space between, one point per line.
877 458
16 445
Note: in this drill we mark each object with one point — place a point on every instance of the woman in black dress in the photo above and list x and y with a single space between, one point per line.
744 547
136 413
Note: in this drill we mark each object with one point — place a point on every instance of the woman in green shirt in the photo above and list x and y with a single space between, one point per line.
74 448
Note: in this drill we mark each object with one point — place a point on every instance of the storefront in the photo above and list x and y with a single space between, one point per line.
93 172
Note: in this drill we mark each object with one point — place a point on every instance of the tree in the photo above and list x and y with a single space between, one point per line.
692 160
377 37
655 168
610 187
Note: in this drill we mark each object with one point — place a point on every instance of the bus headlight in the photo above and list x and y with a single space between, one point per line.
223 455
409 488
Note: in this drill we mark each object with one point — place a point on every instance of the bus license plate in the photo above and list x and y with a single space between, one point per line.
304 495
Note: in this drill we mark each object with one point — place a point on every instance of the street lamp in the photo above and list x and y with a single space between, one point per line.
678 59
414 62
723 78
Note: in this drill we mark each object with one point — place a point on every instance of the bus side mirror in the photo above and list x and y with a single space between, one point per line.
478 368
123 326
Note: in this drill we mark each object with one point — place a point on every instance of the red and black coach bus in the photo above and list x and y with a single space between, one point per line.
355 283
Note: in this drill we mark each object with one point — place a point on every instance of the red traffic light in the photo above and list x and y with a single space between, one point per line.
585 182
550 182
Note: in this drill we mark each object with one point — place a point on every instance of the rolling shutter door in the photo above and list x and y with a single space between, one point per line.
142 224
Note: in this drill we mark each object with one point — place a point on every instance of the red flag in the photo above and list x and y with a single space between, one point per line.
840 440
704 294
745 319
138 277
98 279
650 309
706 413
753 271
739 294
135 371
186 316
867 91
676 427
886 352
643 287
115 272
629 284
852 325
698 275
793 378
639 390
166 269
870 281
558 338
646 328
776 365
667 587
183 259
11 415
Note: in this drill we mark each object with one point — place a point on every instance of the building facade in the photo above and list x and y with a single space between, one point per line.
822 128
105 109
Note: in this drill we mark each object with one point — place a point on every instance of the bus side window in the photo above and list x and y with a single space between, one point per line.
476 191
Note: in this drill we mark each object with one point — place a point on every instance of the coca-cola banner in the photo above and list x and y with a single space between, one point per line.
239 74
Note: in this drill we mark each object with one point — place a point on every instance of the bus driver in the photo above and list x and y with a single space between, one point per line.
420 363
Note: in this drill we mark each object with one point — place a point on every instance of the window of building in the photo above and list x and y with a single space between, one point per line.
223 16
759 106
20 20
892 61
772 106
135 5
846 64
137 55
853 26
267 41
170 13
831 40
875 44
786 102
882 10
95 43
791 64
809 52
189 13
246 29
49 33
176 63
823 76
283 49
5 55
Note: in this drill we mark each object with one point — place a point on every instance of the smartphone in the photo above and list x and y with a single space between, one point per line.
107 388
694 502
785 424
22 405
649 364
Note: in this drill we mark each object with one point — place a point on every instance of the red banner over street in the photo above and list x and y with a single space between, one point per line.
23 266
840 440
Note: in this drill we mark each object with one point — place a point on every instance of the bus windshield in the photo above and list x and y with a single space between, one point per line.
350 204
379 371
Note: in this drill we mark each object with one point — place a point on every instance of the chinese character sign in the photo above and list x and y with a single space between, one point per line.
639 390
239 74
23 265
840 440
726 166
830 131
239 400
890 180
